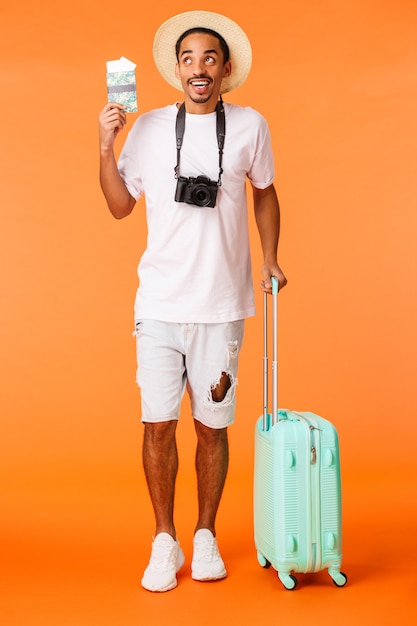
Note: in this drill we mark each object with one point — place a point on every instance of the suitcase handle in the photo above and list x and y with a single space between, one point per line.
275 289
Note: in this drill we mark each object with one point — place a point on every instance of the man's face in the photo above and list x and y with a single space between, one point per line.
200 69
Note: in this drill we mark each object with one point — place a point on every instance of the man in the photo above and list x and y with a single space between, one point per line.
195 290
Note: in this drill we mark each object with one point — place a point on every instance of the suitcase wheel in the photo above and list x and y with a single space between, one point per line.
339 578
288 580
263 562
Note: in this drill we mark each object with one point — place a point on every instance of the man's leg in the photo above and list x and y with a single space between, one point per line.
212 368
212 460
160 461
161 379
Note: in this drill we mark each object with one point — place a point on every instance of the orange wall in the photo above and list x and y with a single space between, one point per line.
336 82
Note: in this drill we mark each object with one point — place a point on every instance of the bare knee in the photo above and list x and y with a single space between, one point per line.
210 436
160 433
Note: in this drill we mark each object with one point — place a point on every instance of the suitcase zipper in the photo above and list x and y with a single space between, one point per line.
315 530
315 498
314 563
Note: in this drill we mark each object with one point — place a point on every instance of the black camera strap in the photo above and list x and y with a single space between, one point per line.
220 131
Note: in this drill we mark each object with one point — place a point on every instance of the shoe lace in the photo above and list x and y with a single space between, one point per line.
163 555
206 550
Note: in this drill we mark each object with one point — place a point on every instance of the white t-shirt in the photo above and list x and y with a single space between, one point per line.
196 266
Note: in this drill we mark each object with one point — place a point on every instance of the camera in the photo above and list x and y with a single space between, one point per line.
200 191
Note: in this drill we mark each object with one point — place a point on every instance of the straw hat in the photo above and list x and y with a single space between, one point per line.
170 31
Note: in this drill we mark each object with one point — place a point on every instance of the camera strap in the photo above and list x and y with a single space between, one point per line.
220 131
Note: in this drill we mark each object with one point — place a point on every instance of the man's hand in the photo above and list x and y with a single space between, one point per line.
272 270
112 120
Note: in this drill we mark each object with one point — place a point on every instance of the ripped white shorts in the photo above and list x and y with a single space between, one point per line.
172 357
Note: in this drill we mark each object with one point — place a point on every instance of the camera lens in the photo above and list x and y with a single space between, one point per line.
201 195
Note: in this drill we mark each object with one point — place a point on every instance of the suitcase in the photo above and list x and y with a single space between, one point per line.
297 485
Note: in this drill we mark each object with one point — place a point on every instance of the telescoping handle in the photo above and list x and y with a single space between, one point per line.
275 288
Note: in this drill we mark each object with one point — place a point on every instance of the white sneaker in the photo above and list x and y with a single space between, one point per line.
207 564
166 560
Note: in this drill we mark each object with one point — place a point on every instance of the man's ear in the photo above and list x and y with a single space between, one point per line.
177 71
227 69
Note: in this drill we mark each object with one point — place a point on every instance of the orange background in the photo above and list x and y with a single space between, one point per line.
337 83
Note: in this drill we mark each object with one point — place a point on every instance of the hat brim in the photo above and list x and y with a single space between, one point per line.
170 31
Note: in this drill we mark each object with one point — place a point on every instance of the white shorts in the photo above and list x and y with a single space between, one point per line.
172 356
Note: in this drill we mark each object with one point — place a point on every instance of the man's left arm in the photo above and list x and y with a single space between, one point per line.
268 220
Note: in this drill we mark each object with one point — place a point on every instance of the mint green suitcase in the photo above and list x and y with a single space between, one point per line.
297 486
